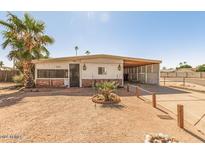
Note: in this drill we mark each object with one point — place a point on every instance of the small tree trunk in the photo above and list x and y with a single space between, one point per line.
6 76
28 77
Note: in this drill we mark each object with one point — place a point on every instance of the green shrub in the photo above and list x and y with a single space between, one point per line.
201 68
18 78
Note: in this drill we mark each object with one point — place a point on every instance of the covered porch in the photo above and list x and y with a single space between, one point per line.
141 71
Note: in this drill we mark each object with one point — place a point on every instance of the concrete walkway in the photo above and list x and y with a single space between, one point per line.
194 103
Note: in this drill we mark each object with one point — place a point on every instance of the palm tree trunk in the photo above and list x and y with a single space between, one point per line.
28 77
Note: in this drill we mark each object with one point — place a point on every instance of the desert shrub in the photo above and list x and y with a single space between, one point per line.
106 88
18 78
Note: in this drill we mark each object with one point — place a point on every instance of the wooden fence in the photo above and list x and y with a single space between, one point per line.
139 91
7 75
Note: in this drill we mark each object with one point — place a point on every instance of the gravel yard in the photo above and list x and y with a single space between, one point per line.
68 115
7 88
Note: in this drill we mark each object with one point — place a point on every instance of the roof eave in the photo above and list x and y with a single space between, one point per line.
94 56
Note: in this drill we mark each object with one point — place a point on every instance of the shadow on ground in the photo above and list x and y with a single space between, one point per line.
194 135
115 106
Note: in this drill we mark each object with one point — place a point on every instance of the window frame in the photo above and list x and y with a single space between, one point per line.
54 76
104 71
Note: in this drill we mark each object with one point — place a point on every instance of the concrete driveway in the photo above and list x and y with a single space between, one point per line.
194 106
194 103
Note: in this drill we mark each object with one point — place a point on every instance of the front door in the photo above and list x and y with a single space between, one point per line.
74 75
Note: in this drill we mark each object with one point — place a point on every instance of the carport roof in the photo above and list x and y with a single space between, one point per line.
128 61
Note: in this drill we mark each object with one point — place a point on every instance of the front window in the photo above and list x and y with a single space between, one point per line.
101 71
52 73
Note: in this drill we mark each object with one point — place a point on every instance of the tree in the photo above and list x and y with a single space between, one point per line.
180 64
26 41
201 68
184 65
76 50
164 68
1 64
87 52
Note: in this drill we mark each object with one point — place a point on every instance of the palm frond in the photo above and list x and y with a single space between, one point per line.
6 24
45 51
5 43
39 27
14 54
17 23
47 39
29 22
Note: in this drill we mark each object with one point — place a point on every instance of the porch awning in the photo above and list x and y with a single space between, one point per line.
139 62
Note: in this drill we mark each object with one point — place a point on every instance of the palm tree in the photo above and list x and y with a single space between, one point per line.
1 64
27 41
180 64
76 50
87 52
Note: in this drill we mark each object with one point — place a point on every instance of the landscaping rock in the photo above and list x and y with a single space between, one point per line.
99 99
114 98
159 138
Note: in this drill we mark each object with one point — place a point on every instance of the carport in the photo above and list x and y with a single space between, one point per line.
141 70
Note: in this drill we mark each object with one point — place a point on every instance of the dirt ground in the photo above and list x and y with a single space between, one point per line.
5 90
68 115
195 84
6 84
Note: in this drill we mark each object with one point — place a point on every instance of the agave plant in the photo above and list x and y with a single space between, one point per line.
106 88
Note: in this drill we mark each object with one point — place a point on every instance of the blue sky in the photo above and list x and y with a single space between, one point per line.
169 36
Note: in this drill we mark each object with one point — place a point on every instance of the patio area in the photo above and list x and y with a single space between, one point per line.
68 115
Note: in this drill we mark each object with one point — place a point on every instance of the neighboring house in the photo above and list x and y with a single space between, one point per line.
85 71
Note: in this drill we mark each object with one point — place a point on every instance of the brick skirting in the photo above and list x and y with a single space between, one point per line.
57 83
50 83
90 82
60 82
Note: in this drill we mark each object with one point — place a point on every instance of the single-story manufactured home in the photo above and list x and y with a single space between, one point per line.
86 70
